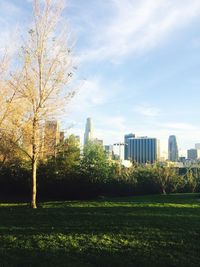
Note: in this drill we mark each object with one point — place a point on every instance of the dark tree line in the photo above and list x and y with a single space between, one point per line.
75 175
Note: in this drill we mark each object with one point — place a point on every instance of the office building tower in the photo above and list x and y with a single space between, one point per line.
193 154
88 136
109 151
172 149
51 138
126 147
97 141
197 146
118 151
143 150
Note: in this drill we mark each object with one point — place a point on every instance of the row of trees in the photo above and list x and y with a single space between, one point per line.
36 88
72 175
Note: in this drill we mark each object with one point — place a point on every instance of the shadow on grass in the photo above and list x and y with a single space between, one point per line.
101 234
187 198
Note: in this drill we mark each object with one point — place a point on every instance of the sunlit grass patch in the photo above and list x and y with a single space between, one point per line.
135 231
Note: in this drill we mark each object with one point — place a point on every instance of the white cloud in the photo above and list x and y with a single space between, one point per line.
8 7
137 26
117 123
179 126
10 27
90 94
147 110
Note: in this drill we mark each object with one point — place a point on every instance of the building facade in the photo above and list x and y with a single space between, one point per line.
197 146
172 149
118 151
193 154
52 138
143 150
98 141
126 147
109 151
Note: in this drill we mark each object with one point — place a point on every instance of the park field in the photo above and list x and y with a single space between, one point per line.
118 232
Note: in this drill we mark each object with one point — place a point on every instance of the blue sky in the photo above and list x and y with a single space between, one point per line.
138 65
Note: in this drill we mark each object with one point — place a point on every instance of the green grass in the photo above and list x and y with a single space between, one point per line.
136 231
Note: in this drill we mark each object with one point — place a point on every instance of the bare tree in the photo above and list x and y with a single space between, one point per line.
5 95
43 82
9 112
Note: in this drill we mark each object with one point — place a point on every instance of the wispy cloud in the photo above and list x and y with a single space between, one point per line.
179 126
91 94
10 26
137 26
111 125
118 122
147 110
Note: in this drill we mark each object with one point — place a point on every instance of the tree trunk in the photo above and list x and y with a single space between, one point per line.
34 165
34 184
163 191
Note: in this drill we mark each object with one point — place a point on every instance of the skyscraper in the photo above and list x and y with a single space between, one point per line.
197 146
143 149
126 147
109 150
118 151
172 149
193 154
51 137
98 141
88 136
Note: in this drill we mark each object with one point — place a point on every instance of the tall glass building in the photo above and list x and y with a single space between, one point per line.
88 136
143 149
126 147
172 149
193 154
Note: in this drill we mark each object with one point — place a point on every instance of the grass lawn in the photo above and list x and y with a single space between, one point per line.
136 231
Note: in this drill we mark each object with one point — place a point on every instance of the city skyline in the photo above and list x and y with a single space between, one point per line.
125 136
137 64
89 134
124 139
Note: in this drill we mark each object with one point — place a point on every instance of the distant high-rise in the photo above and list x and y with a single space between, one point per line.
88 136
52 137
143 149
98 141
172 149
193 154
109 150
126 147
118 151
197 146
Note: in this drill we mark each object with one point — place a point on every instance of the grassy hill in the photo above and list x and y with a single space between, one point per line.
136 231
